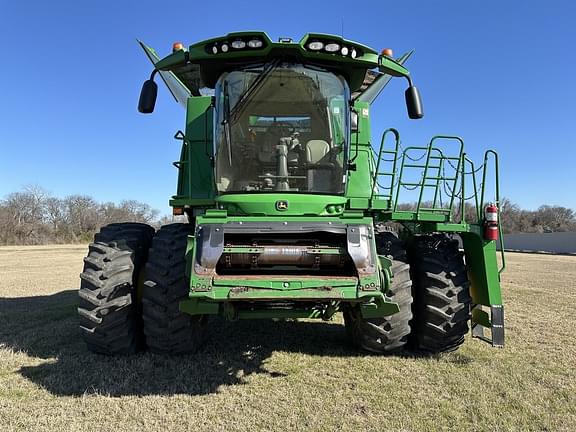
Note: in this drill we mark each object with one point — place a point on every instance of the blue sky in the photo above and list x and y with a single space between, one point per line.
500 74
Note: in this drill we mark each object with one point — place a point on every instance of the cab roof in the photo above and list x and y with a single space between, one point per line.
201 64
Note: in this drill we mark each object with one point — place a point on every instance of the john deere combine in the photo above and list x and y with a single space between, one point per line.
294 213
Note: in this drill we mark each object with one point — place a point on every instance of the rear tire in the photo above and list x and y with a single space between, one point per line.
388 334
167 329
109 319
441 294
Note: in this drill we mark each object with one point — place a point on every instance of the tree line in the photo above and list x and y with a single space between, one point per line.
546 218
514 219
33 216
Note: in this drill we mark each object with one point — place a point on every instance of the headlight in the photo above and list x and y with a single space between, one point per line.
238 44
214 49
344 51
332 47
255 43
224 47
353 54
315 46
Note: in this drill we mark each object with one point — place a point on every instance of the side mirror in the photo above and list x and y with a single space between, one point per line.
414 103
148 97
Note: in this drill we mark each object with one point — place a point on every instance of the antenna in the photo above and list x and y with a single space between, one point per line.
342 30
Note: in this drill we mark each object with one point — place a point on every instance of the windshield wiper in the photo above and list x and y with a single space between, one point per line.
226 122
236 111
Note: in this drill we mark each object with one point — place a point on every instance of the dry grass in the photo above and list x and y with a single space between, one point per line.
265 375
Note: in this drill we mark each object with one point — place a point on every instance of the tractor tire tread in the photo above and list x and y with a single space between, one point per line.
388 334
441 294
109 322
167 329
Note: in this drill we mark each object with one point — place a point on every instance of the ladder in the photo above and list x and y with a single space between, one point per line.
389 181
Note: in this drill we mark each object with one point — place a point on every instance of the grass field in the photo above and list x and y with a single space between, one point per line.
278 375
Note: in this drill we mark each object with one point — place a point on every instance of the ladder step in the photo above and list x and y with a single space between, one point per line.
445 157
419 184
420 166
440 178
443 210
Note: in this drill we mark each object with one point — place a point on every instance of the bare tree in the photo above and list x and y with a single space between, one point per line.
23 216
81 214
555 218
32 216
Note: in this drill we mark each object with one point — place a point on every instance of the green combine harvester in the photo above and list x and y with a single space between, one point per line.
294 213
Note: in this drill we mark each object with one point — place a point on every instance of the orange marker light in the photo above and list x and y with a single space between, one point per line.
387 52
177 211
177 46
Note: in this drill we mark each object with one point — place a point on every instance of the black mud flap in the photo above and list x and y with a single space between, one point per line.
494 323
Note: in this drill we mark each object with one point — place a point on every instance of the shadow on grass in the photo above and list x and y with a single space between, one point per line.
46 327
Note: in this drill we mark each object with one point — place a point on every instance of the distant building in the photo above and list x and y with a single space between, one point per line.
556 242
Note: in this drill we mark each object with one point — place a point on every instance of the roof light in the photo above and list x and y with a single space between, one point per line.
255 43
332 47
353 53
224 47
344 51
315 46
387 52
177 46
238 44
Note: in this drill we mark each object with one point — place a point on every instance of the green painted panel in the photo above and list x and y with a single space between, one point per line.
196 178
291 204
482 269
288 283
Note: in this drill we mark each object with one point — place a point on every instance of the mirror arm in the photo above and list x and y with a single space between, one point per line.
148 95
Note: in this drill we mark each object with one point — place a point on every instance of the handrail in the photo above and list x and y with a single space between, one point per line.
474 185
424 176
380 152
460 152
443 182
486 157
422 184
497 187
463 190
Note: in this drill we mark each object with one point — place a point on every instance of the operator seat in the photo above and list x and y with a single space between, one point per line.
318 173
316 150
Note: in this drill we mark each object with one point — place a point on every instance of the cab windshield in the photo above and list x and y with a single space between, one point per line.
281 127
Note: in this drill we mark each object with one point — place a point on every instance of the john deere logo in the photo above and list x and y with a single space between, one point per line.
281 205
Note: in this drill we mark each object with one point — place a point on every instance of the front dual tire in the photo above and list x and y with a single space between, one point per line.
131 285
388 334
108 309
167 329
442 300
134 279
431 287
